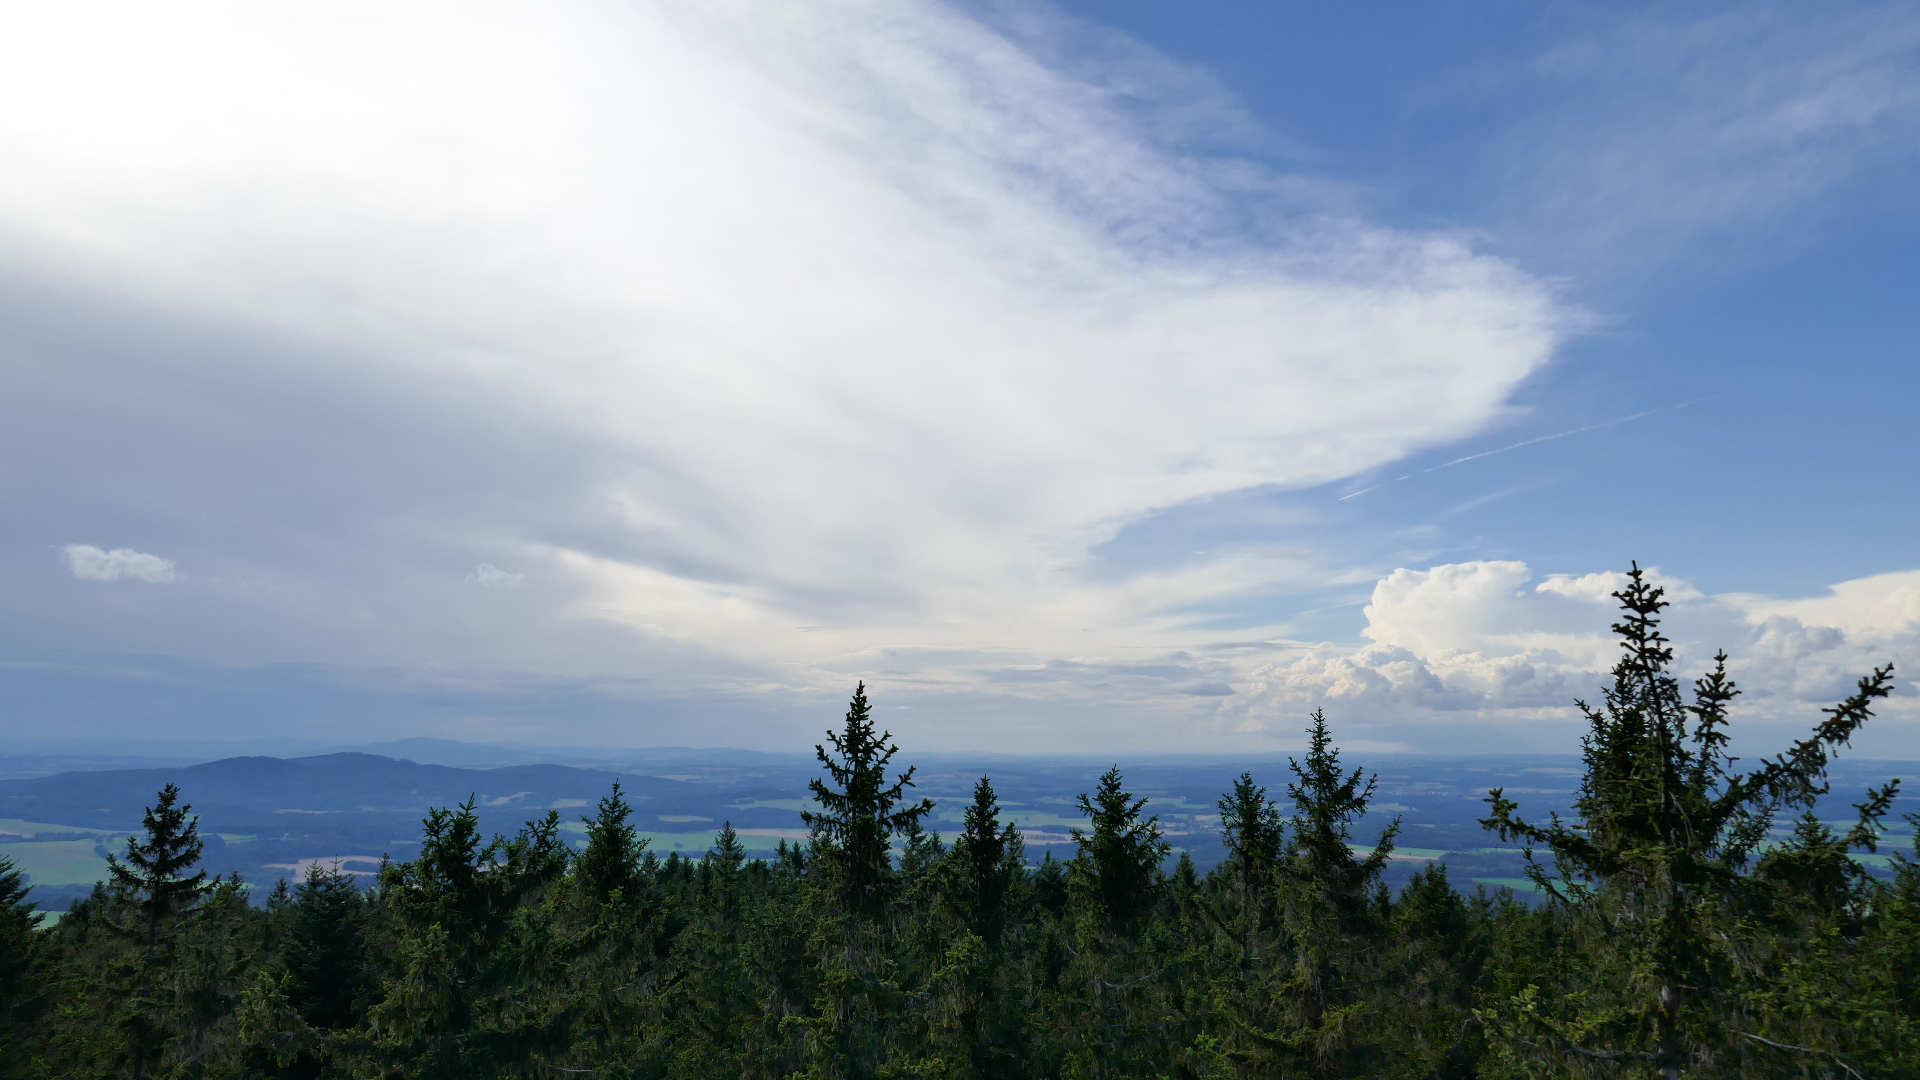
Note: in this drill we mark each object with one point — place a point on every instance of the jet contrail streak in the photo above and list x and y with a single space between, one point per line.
1515 446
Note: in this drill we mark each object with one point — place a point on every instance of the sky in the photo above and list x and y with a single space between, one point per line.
1082 376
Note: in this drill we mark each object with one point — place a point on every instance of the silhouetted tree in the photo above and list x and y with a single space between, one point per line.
990 857
858 819
610 864
154 878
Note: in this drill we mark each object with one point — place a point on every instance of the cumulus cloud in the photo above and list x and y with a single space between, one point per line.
1483 638
90 563
1599 588
781 335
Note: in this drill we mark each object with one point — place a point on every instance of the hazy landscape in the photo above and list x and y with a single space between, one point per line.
265 818
1316 541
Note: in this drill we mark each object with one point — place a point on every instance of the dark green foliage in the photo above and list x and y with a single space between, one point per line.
1251 830
1684 933
1326 802
610 865
1656 868
471 939
23 957
1118 868
324 950
990 859
154 881
857 819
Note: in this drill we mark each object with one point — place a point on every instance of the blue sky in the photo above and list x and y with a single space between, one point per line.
1785 326
1094 374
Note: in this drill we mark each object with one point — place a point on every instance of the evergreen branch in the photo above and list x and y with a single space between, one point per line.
1851 1071
1794 777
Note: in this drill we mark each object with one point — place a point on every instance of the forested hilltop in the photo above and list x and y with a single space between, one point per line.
1699 921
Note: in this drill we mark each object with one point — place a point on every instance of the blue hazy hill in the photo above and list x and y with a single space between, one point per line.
268 817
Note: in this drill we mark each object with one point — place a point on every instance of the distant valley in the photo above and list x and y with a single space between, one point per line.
269 817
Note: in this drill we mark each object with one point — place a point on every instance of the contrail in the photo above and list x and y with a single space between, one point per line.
1516 446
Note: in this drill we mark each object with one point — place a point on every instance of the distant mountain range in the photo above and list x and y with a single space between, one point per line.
25 758
266 817
269 817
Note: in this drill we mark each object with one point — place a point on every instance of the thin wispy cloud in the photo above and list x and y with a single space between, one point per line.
1516 446
1656 127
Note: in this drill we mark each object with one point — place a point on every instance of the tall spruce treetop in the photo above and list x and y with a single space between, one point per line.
610 864
1660 803
728 852
323 951
1119 861
13 891
154 875
990 857
1327 800
1665 829
858 818
1252 831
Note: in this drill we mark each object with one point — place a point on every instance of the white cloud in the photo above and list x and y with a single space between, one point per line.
1884 605
851 316
1599 588
1473 638
90 563
489 576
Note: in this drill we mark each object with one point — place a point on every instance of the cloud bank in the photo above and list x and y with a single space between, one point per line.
1487 642
771 347
780 343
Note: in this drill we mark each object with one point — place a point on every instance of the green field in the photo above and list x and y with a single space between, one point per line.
58 862
29 829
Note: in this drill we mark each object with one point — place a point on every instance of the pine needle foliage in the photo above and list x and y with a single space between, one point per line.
1657 862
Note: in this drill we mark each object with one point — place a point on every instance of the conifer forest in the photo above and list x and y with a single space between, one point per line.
1693 918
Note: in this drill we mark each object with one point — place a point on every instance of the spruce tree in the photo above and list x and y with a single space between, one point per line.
990 857
728 853
1118 865
472 943
1657 857
610 864
23 955
1252 832
1116 886
858 819
1327 800
1330 900
154 877
325 953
